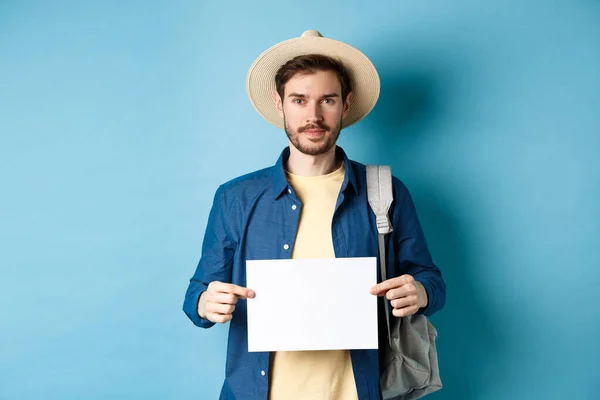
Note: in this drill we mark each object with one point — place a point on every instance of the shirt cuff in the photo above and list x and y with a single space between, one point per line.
190 308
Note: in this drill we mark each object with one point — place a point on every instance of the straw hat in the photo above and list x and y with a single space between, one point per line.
260 82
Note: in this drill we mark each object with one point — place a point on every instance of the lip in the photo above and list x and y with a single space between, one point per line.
314 131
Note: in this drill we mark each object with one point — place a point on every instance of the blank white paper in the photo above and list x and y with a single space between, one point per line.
312 304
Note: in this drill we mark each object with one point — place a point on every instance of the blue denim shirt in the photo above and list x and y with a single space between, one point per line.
252 219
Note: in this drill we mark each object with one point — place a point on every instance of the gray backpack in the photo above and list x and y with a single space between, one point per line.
409 365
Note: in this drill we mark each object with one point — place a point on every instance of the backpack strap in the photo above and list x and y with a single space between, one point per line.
380 196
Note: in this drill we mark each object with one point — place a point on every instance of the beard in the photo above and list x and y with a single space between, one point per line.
315 146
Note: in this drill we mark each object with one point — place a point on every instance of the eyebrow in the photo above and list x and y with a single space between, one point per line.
322 97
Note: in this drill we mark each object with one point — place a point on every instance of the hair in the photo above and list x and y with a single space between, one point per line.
309 64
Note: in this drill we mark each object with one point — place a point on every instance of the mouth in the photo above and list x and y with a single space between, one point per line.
314 132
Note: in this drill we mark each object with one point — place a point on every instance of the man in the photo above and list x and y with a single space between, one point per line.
311 204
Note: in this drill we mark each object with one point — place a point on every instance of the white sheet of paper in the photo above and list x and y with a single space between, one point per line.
312 304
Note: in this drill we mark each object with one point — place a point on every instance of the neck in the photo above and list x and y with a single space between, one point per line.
306 165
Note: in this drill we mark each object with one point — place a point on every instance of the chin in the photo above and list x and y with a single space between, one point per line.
314 150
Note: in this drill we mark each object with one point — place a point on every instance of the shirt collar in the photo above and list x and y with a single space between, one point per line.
280 182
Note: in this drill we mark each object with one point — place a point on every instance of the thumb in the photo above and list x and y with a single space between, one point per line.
243 292
377 290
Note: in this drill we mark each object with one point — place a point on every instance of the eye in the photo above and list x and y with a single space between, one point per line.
328 101
297 101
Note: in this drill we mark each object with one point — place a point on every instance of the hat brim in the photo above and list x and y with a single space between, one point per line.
260 81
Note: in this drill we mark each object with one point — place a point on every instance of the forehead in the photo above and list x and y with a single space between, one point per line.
314 83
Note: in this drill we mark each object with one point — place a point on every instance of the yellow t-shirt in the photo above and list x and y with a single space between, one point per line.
314 375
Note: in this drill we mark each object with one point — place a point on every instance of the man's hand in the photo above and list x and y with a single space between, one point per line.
405 294
218 302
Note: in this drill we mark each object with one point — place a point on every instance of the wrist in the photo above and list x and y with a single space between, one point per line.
422 295
200 307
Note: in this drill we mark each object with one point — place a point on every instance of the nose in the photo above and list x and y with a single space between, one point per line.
314 113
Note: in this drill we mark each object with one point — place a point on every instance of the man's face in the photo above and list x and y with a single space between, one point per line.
312 110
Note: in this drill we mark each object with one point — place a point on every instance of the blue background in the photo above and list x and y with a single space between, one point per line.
118 120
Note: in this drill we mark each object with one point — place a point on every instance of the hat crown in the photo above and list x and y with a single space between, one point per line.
311 33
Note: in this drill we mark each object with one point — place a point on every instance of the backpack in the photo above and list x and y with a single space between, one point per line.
409 365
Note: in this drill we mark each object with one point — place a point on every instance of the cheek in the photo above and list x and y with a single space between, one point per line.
293 117
332 116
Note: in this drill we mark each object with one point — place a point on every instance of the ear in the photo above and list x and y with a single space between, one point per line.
347 104
278 103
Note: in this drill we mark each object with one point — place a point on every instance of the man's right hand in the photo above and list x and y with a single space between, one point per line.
218 302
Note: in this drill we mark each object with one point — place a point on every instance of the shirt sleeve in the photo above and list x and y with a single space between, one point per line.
410 249
215 262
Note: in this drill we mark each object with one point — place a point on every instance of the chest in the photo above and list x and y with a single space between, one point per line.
270 228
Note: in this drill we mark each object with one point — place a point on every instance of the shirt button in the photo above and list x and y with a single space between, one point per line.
286 246
263 373
294 207
290 191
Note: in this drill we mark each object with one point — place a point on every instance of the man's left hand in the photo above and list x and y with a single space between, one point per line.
406 294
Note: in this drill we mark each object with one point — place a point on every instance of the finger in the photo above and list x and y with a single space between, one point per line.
402 291
409 301
392 283
217 308
234 289
405 312
224 298
219 318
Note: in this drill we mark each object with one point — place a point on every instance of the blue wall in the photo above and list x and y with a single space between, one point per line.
118 120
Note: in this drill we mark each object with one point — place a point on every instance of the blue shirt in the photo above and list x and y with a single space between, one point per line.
252 219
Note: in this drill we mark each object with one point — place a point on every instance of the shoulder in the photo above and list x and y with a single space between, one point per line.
400 189
254 178
247 185
360 171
